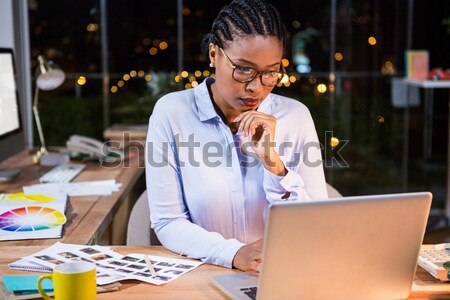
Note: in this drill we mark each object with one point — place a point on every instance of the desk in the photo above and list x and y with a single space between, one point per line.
196 284
88 218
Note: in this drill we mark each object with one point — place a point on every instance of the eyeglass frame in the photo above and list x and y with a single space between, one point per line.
235 66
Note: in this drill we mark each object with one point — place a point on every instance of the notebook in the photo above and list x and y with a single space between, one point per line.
363 247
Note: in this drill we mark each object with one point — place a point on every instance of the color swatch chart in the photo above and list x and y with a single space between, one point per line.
31 218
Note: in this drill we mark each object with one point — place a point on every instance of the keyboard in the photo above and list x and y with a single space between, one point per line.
62 173
250 292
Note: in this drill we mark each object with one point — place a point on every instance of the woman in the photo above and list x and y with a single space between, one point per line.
220 153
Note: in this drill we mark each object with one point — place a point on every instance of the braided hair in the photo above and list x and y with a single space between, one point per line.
244 18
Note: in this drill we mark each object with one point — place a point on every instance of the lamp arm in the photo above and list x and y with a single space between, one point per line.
43 149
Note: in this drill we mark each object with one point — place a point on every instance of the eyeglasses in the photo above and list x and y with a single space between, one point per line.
247 74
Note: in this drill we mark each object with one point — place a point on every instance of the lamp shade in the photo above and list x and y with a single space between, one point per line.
48 75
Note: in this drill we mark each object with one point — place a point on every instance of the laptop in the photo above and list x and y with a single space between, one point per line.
363 247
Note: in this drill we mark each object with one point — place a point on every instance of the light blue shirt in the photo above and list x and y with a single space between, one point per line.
207 194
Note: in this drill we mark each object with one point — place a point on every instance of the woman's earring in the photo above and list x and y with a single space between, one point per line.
211 64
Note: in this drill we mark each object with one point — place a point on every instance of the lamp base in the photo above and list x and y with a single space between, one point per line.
39 154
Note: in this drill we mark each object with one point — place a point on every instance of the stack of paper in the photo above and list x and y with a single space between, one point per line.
111 266
33 216
84 188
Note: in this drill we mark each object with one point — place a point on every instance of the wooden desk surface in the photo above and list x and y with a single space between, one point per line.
87 217
196 284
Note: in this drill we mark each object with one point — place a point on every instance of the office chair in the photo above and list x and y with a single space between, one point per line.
139 232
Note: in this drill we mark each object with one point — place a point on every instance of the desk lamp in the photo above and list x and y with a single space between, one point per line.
48 77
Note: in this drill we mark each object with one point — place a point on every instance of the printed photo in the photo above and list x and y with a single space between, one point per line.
124 271
162 278
85 259
156 270
89 250
165 264
100 256
68 255
181 266
49 259
104 267
143 274
129 258
139 267
174 272
117 263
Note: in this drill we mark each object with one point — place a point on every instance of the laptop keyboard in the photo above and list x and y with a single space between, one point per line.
250 292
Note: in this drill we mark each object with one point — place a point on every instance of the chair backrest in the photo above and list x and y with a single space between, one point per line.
139 232
332 192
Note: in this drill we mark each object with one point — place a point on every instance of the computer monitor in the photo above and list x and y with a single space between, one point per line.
11 135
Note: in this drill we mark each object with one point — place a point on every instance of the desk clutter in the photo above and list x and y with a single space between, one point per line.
25 287
111 266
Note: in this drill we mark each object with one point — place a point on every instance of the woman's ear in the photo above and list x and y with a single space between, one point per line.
212 55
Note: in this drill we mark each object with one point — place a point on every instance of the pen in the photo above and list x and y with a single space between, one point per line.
150 266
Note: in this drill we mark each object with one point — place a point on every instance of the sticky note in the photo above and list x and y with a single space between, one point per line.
21 197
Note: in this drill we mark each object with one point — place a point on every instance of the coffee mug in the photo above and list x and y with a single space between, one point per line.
72 281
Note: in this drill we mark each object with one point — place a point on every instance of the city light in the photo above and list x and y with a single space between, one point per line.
296 24
334 141
120 83
153 51
198 73
285 62
187 86
141 73
331 88
148 77
184 74
133 73
114 89
338 56
206 73
81 80
321 88
285 79
186 11
163 45
92 27
177 78
192 78
292 79
380 119
372 41
126 77
194 83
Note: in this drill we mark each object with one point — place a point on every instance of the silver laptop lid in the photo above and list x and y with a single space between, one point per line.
362 247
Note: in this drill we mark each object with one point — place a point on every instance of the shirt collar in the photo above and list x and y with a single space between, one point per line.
205 106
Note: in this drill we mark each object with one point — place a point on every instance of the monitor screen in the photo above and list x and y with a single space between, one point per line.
9 106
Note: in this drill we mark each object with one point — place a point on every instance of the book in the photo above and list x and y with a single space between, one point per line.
34 216
416 64
111 266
